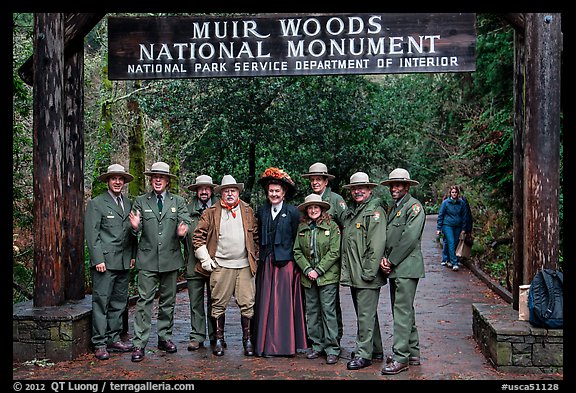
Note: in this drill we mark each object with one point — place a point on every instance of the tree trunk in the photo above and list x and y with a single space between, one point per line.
518 168
541 187
73 176
48 132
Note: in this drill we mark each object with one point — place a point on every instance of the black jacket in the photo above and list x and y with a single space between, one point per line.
278 235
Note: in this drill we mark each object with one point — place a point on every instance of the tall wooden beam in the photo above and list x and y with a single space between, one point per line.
73 172
47 157
541 161
518 167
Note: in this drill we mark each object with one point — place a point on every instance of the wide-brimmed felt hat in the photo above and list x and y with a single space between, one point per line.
114 170
227 182
399 175
318 169
359 179
313 199
274 174
202 180
160 168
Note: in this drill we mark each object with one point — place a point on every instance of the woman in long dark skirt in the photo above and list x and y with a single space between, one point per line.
279 318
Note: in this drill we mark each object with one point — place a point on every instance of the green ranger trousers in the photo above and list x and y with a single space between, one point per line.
147 283
406 342
321 318
369 337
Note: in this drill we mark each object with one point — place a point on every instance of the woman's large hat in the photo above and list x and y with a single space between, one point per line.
273 174
202 180
399 175
227 182
359 179
318 169
313 199
160 168
115 170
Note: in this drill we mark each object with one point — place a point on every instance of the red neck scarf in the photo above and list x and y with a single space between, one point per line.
230 208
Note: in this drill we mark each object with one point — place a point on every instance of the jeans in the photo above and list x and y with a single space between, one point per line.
451 238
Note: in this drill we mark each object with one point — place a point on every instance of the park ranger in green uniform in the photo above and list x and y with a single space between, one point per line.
198 279
112 248
404 265
363 242
161 219
319 179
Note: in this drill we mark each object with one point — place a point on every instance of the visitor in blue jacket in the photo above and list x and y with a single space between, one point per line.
451 221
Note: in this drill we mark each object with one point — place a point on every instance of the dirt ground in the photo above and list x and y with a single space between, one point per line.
444 317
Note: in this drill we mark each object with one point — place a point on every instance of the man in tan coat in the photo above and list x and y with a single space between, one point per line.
226 243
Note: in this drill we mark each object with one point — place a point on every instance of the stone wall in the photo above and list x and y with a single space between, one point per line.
53 333
516 346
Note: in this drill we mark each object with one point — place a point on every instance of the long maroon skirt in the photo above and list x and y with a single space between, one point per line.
279 320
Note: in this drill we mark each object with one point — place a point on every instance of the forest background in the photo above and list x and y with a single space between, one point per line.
444 128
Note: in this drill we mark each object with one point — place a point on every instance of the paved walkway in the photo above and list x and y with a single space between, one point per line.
444 317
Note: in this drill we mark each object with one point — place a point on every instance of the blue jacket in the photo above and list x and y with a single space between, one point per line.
452 213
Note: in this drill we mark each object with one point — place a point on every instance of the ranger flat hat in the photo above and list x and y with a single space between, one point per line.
202 180
318 169
359 179
399 175
313 199
227 182
116 169
160 168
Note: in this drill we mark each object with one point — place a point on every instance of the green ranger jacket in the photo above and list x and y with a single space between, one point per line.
194 211
108 232
363 242
337 205
328 262
403 238
159 245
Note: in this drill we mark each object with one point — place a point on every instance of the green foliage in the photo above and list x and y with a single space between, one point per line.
22 124
22 275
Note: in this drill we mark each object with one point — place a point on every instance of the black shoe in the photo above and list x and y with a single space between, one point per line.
412 360
167 345
357 363
394 367
101 353
120 346
194 345
331 359
137 354
312 354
